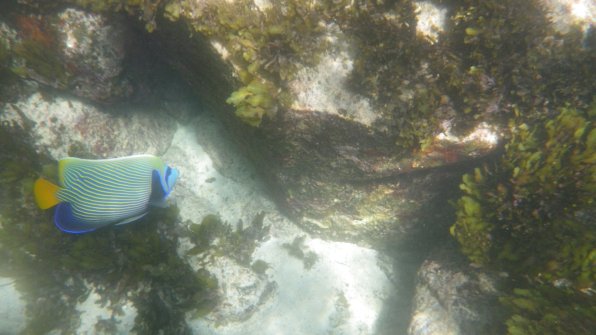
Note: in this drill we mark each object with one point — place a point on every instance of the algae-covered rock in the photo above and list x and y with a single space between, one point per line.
72 50
360 92
64 127
348 98
532 216
337 112
361 115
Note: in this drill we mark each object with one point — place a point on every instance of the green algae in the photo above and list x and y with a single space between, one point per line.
252 102
513 44
547 310
220 238
9 79
530 215
298 250
266 47
259 266
494 51
5 56
40 63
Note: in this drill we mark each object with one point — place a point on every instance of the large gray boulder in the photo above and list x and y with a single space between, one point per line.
69 50
454 298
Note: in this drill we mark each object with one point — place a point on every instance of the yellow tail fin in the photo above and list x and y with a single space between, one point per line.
45 193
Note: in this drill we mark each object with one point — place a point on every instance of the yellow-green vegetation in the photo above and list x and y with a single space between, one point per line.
4 56
387 69
40 63
215 236
266 47
7 77
547 310
493 51
531 215
511 46
53 270
252 102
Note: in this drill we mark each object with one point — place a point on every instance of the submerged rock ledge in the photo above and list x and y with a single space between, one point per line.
321 147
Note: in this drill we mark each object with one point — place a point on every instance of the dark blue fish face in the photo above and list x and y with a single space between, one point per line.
171 177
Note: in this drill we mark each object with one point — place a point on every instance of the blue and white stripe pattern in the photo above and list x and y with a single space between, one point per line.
111 191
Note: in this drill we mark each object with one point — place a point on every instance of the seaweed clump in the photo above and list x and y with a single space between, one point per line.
265 45
391 68
298 250
531 215
220 239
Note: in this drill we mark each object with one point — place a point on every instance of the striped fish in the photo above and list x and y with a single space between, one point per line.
97 193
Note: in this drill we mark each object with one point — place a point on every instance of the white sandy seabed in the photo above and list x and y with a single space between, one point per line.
342 293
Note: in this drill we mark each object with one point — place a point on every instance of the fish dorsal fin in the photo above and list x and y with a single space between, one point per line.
45 193
71 168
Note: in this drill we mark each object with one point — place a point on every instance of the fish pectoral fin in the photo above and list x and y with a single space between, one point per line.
158 192
65 220
132 219
45 193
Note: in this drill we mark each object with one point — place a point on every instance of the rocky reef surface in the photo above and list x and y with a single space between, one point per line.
325 149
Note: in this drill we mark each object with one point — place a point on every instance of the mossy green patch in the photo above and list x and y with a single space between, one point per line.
547 310
41 63
259 266
222 239
531 215
266 46
252 102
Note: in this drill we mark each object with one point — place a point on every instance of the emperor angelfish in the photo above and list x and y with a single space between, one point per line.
96 193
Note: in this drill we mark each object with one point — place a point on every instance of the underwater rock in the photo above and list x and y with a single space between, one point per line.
332 142
241 291
361 116
207 162
73 50
63 127
338 103
12 309
93 48
454 298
